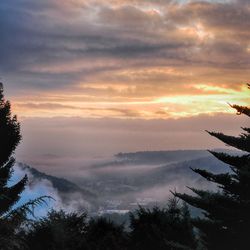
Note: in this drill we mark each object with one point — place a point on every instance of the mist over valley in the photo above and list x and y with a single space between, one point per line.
125 181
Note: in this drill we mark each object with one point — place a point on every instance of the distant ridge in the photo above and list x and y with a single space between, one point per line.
157 157
161 157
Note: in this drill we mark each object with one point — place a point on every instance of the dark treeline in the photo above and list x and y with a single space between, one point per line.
168 228
224 223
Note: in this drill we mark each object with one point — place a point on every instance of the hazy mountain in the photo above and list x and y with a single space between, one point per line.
161 157
148 177
128 177
156 157
134 178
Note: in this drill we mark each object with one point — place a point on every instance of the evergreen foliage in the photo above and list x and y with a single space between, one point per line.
75 232
10 138
226 220
10 218
58 231
103 234
168 228
9 195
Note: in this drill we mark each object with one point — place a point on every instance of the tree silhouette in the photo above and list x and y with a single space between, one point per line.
10 138
226 220
9 195
58 230
10 218
162 229
103 234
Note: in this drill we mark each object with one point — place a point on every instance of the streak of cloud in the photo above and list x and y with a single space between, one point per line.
122 51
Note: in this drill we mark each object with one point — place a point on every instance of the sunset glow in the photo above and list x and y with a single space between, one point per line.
125 59
116 103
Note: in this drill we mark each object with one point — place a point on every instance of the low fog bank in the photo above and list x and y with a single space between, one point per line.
122 183
63 146
126 184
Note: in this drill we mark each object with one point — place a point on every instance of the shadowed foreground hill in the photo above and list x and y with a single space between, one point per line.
65 192
61 184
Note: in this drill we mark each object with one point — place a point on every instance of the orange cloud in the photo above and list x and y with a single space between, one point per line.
197 99
125 59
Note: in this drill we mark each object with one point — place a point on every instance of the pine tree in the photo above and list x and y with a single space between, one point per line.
58 230
10 218
162 229
103 234
9 139
226 220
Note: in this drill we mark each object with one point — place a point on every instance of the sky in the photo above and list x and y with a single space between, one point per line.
91 77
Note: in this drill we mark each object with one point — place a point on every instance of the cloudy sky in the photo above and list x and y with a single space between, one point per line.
115 67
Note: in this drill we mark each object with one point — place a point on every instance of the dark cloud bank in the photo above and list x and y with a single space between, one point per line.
40 41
